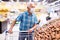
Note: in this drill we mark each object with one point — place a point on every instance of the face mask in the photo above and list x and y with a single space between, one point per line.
32 10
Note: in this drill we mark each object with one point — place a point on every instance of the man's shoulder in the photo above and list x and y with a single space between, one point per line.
24 12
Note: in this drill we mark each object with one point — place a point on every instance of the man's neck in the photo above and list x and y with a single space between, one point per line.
29 13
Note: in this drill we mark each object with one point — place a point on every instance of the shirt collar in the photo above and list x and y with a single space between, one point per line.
28 13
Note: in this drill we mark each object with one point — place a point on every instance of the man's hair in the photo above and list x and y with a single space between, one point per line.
29 4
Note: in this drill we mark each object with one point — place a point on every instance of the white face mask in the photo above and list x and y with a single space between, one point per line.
32 10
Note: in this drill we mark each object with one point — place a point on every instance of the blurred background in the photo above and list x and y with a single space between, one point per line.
45 11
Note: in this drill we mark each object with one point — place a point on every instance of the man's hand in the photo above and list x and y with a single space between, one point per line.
12 25
10 31
34 27
30 30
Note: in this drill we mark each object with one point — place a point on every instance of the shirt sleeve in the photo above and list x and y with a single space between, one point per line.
19 18
35 20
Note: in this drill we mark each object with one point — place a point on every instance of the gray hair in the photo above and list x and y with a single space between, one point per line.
28 4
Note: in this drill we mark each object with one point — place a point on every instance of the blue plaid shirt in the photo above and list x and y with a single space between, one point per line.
27 21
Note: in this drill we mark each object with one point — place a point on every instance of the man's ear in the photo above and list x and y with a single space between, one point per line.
28 8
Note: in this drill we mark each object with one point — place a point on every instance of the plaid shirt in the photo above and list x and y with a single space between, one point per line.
26 21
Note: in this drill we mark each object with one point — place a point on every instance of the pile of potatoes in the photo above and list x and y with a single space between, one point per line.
50 31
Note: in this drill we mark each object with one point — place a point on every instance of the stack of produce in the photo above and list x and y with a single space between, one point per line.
50 31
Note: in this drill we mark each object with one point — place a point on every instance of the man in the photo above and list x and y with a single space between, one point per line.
28 23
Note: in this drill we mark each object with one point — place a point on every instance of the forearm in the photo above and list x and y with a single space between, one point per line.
12 25
34 27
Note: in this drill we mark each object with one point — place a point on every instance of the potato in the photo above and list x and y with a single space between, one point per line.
50 31
57 36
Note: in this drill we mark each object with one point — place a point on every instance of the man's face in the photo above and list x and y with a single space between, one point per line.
31 8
